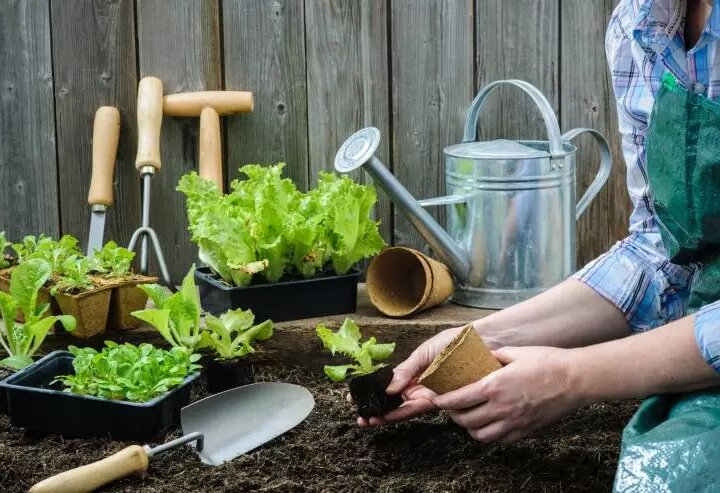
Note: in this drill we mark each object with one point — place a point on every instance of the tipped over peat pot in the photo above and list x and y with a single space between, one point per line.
225 374
368 393
283 300
35 404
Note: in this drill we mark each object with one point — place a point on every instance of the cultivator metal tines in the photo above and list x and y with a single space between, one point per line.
149 116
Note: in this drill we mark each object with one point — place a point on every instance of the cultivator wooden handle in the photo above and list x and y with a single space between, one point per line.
130 460
106 134
209 105
149 118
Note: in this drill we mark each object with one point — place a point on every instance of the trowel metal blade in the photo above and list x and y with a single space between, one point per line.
239 420
97 232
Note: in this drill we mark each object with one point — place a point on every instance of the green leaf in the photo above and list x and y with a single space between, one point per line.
157 294
17 362
231 334
381 352
25 283
160 319
337 373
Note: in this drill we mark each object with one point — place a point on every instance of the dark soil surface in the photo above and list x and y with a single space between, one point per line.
329 453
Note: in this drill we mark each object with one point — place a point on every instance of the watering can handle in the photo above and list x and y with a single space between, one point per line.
602 174
547 112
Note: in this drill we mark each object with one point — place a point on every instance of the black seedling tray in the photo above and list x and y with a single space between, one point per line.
284 300
36 405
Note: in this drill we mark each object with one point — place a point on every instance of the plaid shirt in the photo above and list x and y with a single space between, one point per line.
644 39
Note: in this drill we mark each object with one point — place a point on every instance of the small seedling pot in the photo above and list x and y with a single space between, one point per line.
35 404
223 374
281 301
127 298
368 393
90 310
464 361
402 281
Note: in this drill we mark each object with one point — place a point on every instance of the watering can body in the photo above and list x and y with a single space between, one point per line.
511 206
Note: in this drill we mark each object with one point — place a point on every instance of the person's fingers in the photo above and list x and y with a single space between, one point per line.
410 409
362 422
507 354
514 436
469 396
408 370
476 417
493 432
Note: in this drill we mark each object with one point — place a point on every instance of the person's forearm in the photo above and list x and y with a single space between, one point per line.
663 360
568 315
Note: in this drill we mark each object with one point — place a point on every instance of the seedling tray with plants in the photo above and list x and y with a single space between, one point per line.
37 401
277 251
99 292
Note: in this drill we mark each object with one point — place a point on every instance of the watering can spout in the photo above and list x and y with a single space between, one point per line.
358 151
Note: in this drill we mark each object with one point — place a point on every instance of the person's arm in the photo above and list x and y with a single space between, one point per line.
538 385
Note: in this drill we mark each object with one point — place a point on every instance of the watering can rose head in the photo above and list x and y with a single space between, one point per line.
265 227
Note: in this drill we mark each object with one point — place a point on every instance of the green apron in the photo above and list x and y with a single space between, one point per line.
672 444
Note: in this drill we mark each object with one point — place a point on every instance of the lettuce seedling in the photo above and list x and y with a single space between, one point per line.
346 341
176 316
4 245
127 372
230 334
22 340
113 260
74 276
44 247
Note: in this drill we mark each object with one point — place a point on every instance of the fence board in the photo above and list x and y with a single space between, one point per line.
348 83
588 102
28 166
512 42
432 82
264 47
179 42
95 69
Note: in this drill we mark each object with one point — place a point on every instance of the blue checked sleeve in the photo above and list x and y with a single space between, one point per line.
707 333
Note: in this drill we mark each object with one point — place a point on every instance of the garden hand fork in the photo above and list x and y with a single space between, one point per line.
149 117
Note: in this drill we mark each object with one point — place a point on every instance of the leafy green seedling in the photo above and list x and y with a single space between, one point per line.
127 372
4 262
73 276
44 247
113 260
230 334
22 340
176 316
346 341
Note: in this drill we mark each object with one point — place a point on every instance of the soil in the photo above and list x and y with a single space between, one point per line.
368 392
329 453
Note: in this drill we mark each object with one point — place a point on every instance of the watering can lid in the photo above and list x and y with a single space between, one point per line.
495 149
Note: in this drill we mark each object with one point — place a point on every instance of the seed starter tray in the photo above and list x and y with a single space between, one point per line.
36 405
281 301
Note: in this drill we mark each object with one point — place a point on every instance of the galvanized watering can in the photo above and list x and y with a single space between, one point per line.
511 205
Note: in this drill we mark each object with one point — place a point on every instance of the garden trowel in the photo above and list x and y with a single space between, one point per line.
106 134
219 427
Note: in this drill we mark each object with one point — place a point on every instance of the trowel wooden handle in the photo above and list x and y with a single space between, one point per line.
210 147
106 134
224 102
88 478
149 118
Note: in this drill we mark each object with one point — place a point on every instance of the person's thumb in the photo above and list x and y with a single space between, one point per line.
507 354
409 370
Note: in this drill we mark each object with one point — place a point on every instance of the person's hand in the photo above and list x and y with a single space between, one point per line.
417 399
533 389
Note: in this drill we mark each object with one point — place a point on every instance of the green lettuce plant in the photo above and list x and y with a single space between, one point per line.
45 248
230 334
127 372
4 245
367 356
176 316
73 276
266 227
113 261
22 340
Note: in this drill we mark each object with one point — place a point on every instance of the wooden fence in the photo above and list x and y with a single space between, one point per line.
319 69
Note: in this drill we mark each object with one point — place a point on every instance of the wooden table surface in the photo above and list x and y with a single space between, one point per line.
295 342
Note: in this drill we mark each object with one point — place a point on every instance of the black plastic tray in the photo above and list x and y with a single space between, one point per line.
35 405
288 300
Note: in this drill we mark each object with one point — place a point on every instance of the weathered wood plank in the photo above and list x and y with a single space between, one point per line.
432 85
179 42
588 102
94 64
348 83
28 166
264 48
517 39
